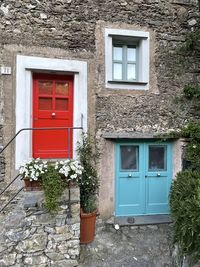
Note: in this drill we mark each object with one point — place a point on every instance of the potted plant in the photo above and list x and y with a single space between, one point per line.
53 178
31 172
89 186
70 170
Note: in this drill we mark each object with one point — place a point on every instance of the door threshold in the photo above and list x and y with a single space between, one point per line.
143 219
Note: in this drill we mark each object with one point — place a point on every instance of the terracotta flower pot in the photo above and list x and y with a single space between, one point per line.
87 227
32 185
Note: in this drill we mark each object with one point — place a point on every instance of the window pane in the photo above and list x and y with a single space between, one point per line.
61 104
45 103
62 88
131 54
129 157
117 53
117 69
131 72
157 158
45 87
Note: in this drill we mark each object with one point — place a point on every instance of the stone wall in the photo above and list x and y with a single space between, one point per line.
29 236
72 26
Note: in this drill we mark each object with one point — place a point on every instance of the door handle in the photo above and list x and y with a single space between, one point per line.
158 174
129 175
53 114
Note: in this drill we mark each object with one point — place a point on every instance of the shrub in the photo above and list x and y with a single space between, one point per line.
53 186
89 183
185 212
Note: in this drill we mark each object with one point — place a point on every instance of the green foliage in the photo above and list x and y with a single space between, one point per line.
192 91
192 131
90 204
185 191
89 183
192 151
185 212
192 42
53 186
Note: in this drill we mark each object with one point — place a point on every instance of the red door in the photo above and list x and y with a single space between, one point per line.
52 107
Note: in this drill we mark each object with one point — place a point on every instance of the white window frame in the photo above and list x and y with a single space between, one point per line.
142 38
25 66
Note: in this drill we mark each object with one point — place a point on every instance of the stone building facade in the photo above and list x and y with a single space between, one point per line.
124 102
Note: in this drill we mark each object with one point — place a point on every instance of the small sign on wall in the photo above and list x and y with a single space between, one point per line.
5 70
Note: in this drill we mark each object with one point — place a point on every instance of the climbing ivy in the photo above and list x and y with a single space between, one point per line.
192 42
192 92
192 151
185 190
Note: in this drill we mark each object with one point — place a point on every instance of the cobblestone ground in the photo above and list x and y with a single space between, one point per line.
130 246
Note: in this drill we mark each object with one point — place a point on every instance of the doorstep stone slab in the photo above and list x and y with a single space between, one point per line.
142 220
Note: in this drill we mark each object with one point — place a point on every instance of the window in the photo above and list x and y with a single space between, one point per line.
124 62
127 59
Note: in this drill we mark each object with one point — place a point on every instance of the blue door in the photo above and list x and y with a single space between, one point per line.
143 178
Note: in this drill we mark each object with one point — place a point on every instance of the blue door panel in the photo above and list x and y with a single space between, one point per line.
129 187
145 189
130 196
156 195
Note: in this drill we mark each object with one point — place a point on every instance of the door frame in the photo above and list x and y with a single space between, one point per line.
25 65
145 142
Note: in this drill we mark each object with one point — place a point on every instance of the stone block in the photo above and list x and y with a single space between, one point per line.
75 194
58 238
36 243
73 252
17 234
75 208
55 256
62 229
73 243
61 220
75 226
51 246
34 261
33 199
49 230
64 246
8 260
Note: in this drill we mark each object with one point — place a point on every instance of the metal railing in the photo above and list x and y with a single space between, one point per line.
69 131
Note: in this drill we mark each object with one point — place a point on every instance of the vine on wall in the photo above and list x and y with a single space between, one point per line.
185 191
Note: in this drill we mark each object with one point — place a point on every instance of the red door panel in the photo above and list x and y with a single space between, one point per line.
52 107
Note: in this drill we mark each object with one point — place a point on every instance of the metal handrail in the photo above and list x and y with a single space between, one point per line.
11 199
42 129
9 184
39 129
